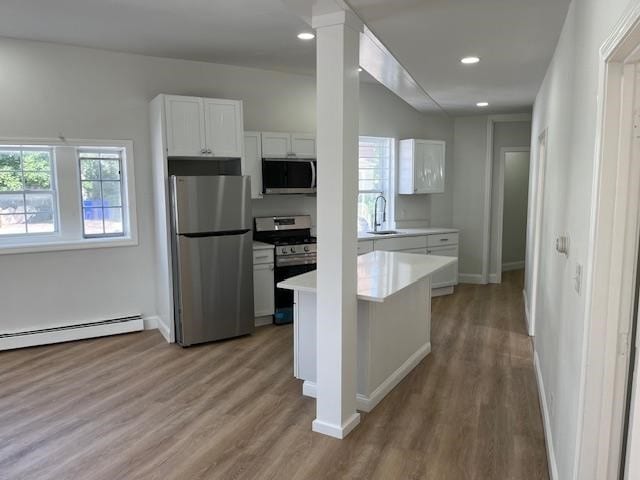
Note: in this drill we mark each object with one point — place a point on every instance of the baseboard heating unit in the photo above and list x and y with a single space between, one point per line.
67 333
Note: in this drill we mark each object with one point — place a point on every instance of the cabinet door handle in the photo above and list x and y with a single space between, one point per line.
444 239
204 150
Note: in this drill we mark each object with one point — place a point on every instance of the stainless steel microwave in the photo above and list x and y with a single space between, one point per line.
288 176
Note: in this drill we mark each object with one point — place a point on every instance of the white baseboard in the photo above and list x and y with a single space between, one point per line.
262 321
70 333
151 322
336 431
546 419
367 403
164 329
438 292
509 266
493 278
474 278
526 313
309 389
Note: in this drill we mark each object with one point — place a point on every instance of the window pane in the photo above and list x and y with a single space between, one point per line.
10 182
113 220
91 194
37 180
110 169
111 194
376 185
11 204
372 174
366 202
36 161
40 222
13 224
39 202
9 160
89 169
93 221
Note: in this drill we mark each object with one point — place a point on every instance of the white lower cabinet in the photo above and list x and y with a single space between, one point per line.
263 298
445 245
449 275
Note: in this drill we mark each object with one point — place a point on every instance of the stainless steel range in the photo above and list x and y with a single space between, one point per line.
295 250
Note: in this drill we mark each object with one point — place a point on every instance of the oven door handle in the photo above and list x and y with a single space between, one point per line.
313 174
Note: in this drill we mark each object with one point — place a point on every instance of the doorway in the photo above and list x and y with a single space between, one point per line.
513 178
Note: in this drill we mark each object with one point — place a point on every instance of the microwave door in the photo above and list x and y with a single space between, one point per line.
288 176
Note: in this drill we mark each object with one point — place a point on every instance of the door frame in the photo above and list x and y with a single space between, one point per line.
500 206
537 195
611 266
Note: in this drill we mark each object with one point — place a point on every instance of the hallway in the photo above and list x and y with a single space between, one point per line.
97 409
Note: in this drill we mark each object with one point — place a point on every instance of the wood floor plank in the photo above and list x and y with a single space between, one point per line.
134 407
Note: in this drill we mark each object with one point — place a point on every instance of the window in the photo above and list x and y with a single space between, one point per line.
101 184
66 194
27 191
375 179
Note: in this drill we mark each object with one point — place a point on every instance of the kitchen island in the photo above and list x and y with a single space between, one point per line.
394 321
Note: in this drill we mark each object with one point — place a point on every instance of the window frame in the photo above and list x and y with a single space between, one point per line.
69 222
53 191
389 194
123 203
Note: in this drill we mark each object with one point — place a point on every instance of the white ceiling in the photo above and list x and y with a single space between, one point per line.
514 38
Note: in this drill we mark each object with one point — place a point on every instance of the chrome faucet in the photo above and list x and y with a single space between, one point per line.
375 212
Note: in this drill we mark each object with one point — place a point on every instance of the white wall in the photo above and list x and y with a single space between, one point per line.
49 90
566 105
516 188
505 134
469 170
469 159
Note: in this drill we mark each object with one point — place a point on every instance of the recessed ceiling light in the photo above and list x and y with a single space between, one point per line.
306 36
482 104
469 60
359 69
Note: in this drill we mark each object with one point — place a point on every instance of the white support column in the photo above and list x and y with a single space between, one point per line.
338 40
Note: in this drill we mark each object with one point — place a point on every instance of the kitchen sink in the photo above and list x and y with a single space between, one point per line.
384 232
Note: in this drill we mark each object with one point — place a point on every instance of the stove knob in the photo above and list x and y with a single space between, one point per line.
306 249
293 249
284 250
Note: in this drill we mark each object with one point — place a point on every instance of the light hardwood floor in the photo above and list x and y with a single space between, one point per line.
133 407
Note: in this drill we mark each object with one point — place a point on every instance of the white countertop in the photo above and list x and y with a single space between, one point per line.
380 274
262 246
407 232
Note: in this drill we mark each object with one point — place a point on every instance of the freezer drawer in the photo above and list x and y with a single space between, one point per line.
214 287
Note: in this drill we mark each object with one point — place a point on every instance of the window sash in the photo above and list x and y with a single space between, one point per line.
377 153
105 211
25 193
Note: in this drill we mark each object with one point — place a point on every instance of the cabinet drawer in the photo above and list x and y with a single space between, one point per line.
403 243
262 256
365 247
442 239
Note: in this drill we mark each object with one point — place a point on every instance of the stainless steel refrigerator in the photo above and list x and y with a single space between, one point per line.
212 245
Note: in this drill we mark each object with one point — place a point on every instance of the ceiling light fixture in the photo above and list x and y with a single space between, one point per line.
470 60
359 69
306 36
482 104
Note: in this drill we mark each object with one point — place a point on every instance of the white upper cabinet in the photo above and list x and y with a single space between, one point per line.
303 145
422 166
224 127
283 145
252 162
276 145
203 127
185 126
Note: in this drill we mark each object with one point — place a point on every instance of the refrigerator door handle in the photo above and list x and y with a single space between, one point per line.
225 233
313 174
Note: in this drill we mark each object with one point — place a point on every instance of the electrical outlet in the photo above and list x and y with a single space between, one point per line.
578 278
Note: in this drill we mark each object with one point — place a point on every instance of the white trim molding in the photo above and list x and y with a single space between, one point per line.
546 420
474 278
525 302
612 258
511 266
